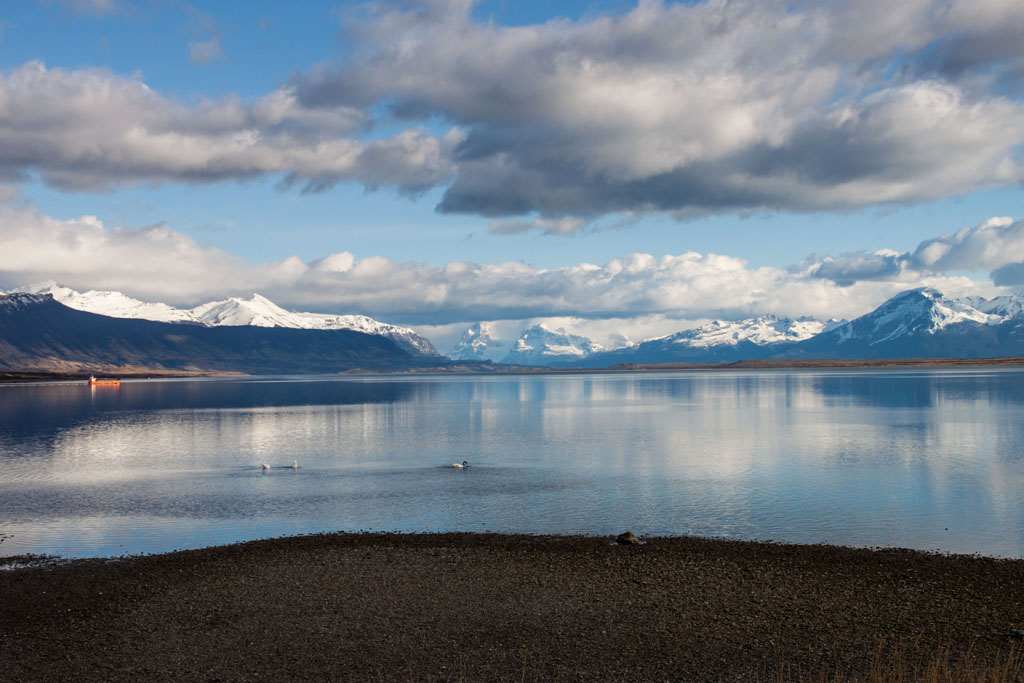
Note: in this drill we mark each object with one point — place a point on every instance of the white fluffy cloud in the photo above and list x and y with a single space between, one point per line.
157 263
996 244
154 262
88 129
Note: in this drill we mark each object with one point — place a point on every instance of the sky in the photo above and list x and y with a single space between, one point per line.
613 167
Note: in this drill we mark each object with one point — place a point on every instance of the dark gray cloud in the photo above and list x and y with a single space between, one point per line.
705 108
852 268
1009 275
685 109
977 40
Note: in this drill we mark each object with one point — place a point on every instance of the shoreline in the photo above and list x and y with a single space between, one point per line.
10 376
472 606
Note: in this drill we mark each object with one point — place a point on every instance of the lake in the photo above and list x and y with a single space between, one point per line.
929 459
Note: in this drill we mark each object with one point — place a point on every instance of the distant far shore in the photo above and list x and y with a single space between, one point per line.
12 376
460 607
783 363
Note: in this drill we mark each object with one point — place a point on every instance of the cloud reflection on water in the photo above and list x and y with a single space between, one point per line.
879 457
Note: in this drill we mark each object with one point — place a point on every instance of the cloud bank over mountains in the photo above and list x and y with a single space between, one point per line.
996 245
157 263
716 107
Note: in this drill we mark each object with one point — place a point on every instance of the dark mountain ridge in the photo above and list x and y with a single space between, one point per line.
40 334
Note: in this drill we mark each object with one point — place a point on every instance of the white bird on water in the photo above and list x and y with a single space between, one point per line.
266 466
462 466
295 464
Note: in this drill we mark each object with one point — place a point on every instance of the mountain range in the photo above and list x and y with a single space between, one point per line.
39 334
256 311
55 329
916 323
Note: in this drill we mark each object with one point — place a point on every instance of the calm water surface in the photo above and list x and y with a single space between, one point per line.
925 459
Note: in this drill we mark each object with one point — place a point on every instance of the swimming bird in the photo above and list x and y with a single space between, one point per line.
295 464
462 466
266 466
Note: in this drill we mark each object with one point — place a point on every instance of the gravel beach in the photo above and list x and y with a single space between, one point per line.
503 607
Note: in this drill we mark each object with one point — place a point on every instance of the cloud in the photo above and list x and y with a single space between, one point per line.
205 48
1008 275
157 263
845 270
90 7
990 244
567 225
91 130
699 108
205 51
152 262
996 245
684 109
982 42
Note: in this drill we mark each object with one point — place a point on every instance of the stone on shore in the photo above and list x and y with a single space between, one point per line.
627 538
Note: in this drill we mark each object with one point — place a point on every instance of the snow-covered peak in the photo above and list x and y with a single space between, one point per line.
916 311
260 311
58 291
478 342
1008 306
541 345
16 300
922 310
406 337
112 304
766 329
256 310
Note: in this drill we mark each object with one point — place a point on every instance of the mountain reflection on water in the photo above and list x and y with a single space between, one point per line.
932 459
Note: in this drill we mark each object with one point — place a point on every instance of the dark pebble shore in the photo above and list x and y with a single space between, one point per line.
504 607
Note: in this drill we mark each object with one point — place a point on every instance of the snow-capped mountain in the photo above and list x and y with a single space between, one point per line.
916 323
1010 306
20 300
262 312
540 345
916 311
113 304
257 311
720 340
40 334
479 343
767 329
920 323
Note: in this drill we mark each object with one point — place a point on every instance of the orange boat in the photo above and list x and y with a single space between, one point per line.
93 380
